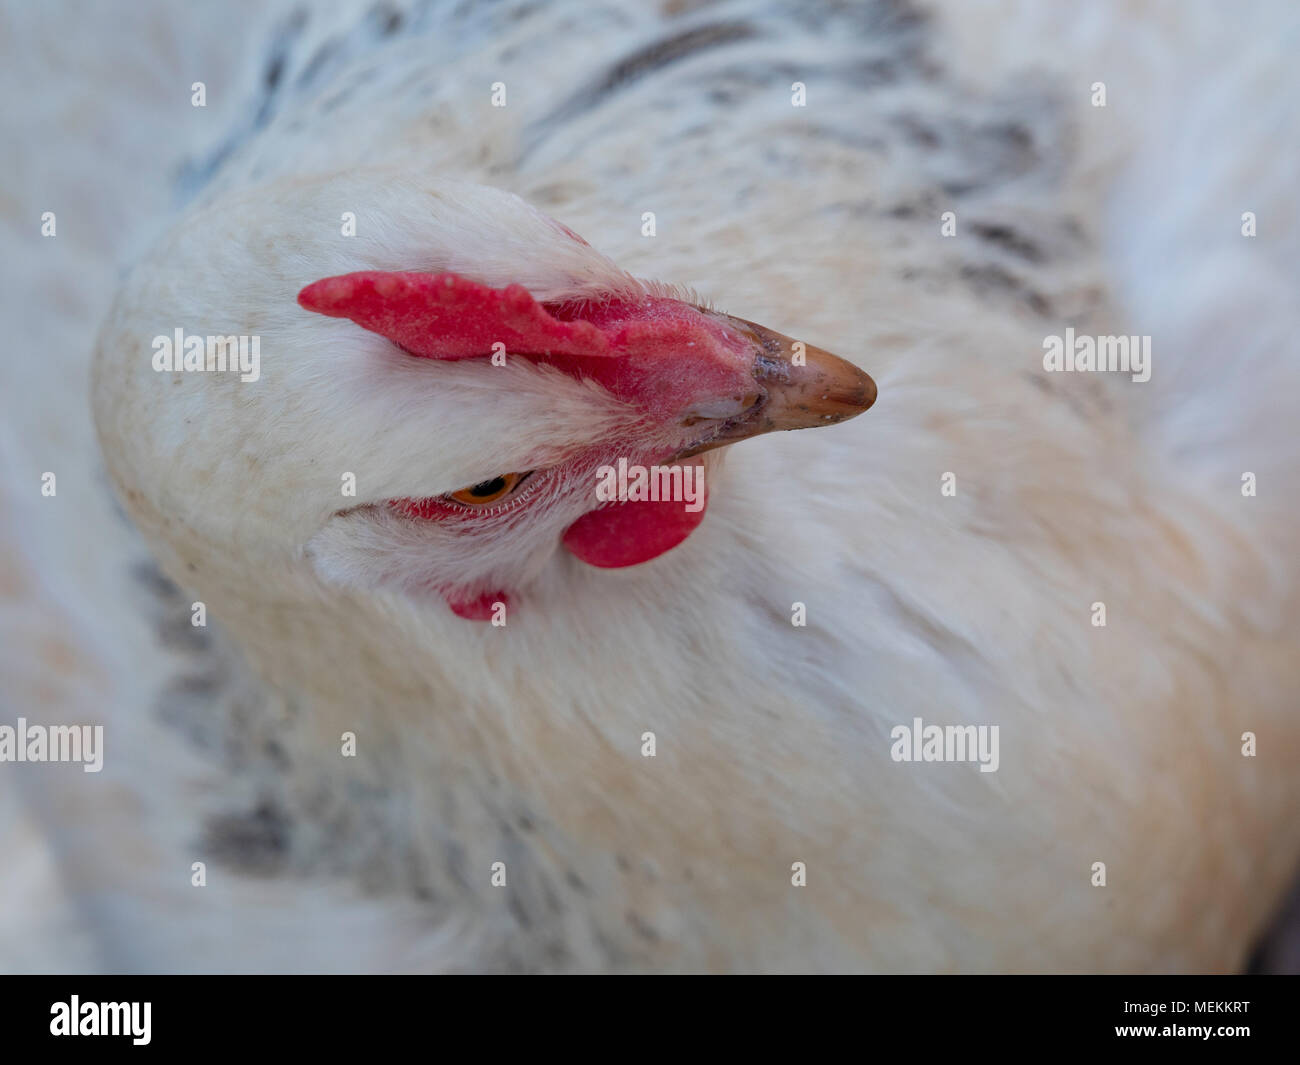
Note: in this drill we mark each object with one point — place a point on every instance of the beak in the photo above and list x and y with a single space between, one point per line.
795 388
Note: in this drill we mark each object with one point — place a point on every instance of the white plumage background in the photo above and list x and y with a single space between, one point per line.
822 222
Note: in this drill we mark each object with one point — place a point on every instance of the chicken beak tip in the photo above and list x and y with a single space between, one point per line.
807 386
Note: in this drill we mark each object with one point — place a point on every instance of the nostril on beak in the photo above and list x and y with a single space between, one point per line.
719 409
795 385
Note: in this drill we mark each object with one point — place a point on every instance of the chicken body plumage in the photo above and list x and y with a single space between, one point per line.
947 551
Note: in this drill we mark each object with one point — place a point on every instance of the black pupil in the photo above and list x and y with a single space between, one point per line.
488 488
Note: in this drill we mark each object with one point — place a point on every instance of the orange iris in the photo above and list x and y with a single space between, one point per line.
487 492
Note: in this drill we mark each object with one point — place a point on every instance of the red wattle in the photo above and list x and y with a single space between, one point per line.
629 533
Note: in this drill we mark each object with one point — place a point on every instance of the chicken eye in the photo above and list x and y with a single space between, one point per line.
480 495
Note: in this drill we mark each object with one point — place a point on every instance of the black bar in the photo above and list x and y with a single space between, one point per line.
863 1015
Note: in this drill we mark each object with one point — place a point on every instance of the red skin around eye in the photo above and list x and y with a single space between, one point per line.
429 509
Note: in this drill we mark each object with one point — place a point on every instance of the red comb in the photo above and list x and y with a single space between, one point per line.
660 353
443 316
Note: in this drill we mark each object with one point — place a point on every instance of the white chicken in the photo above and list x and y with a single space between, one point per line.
452 712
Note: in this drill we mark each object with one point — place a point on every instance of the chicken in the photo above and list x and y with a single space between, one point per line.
455 711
